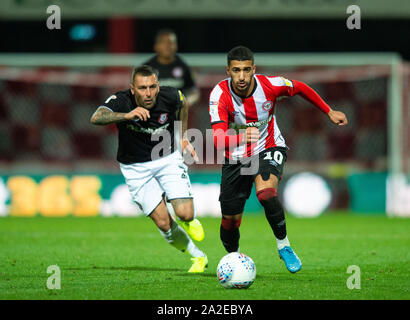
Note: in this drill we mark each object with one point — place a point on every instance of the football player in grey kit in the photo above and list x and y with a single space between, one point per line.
140 113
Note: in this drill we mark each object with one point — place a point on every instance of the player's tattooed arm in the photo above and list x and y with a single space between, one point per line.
103 116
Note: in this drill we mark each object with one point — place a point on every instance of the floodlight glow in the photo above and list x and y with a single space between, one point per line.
306 195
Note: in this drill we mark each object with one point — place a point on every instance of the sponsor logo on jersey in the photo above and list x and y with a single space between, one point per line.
213 103
267 105
260 123
138 128
287 82
163 117
256 124
213 111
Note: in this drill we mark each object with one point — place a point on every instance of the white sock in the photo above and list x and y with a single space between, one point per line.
193 250
282 243
178 238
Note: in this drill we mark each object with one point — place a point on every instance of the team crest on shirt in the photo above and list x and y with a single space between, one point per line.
163 117
267 105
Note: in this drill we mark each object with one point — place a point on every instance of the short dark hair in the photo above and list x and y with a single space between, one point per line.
161 32
143 70
240 53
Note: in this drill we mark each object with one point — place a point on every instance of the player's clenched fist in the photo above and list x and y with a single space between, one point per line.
337 117
138 113
251 135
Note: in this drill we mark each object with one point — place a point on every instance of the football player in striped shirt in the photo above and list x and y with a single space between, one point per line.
247 101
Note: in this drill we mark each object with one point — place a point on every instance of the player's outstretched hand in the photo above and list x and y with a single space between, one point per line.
251 135
187 147
138 113
337 117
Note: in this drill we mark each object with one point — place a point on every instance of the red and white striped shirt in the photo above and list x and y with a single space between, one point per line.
227 109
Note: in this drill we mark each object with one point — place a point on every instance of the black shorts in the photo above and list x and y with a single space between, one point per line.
236 187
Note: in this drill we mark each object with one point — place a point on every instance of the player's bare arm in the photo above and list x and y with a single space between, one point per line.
104 116
183 116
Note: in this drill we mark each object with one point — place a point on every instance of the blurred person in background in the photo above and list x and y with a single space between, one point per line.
172 70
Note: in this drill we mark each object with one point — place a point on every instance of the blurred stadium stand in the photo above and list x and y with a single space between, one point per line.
45 110
42 109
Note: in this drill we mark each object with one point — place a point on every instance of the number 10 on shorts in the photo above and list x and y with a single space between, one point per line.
277 156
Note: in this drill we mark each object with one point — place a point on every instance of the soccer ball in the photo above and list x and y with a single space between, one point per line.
236 270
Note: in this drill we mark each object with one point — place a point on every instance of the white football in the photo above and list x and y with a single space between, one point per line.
236 270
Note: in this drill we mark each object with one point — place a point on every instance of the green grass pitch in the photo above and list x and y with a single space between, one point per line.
126 258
